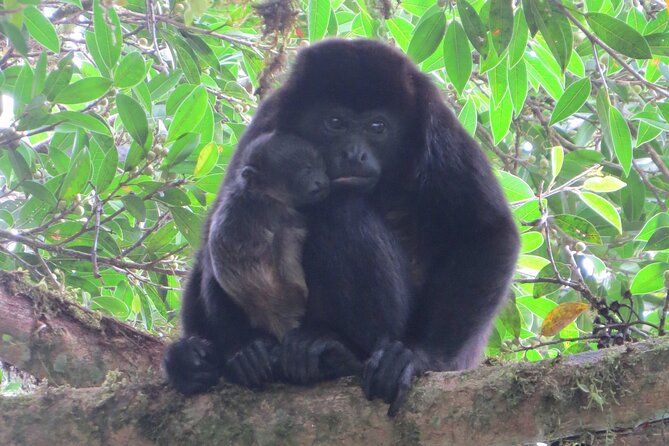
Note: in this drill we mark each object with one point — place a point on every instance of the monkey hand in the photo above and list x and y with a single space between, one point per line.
388 374
190 366
308 356
252 365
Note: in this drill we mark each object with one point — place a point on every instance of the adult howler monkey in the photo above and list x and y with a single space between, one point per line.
382 127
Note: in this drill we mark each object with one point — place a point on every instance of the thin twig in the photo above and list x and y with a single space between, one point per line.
657 160
35 245
614 55
94 252
555 341
656 191
663 315
146 233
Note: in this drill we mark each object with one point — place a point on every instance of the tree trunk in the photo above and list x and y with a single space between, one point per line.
618 395
614 396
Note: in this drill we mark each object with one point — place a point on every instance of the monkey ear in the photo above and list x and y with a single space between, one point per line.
249 172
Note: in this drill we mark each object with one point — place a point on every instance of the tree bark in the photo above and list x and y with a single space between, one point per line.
51 337
618 395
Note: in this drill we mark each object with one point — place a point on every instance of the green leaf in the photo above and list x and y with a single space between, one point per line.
83 121
518 86
95 53
543 289
603 106
557 158
498 80
19 165
515 188
77 177
618 35
652 118
84 90
173 197
106 171
15 36
500 118
646 134
604 184
41 29
603 208
531 241
658 43
23 88
650 279
537 70
578 228
131 71
416 7
529 12
554 27
660 220
104 41
427 35
468 117
56 81
181 149
112 305
40 192
401 30
501 23
188 224
187 62
473 26
133 118
39 77
621 139
135 205
457 56
206 160
188 115
318 16
571 100
177 96
633 197
203 50
518 40
659 241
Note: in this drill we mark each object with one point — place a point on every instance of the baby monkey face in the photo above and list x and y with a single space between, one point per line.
289 168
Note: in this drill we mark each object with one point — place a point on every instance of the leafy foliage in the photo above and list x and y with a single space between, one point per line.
118 122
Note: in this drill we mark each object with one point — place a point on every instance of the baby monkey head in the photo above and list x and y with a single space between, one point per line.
286 168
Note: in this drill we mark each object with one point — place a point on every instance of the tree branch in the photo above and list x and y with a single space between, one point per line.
53 338
619 391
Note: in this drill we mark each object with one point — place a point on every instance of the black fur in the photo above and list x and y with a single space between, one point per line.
437 199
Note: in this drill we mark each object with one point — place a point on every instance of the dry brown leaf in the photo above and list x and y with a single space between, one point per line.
560 316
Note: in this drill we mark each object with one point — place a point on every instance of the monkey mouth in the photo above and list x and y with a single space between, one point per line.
354 181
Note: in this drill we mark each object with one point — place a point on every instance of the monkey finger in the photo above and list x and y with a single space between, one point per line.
369 373
394 360
263 359
403 387
313 357
249 371
237 373
258 361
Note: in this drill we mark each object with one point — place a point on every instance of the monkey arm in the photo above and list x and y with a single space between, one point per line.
473 240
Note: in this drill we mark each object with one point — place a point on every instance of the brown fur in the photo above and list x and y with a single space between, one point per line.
257 235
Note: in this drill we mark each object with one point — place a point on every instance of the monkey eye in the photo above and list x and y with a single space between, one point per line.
377 127
334 123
